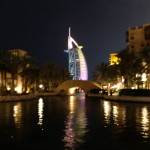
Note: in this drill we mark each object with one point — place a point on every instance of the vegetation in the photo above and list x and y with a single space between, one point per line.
51 75
131 68
134 92
105 74
14 66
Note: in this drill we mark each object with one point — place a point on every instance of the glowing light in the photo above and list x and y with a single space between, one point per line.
114 86
83 65
123 79
40 111
145 122
15 110
8 88
40 86
17 114
144 77
107 111
72 90
75 124
71 104
18 89
114 59
115 114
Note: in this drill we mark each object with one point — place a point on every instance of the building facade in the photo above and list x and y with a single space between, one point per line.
137 38
77 63
113 59
6 77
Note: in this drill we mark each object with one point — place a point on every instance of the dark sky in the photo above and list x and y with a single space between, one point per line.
41 27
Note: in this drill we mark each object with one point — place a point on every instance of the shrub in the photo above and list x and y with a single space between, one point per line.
95 91
134 92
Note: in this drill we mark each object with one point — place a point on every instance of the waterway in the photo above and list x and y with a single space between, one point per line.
74 122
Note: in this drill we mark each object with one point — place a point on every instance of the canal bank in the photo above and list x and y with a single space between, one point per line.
14 98
122 98
105 97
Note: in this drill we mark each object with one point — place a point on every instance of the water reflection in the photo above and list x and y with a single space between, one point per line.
40 111
17 114
107 111
115 112
143 120
75 125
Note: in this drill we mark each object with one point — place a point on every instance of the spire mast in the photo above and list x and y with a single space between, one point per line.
69 31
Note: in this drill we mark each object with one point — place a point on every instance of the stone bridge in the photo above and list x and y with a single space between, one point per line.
84 85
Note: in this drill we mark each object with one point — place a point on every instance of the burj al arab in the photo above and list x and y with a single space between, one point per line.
77 63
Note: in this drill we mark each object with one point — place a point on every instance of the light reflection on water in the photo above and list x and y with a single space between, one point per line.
17 114
115 112
76 122
118 113
145 122
107 111
143 119
40 111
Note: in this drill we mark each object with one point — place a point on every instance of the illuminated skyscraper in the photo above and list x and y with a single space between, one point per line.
77 62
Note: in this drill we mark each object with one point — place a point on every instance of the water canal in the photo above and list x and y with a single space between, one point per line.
65 123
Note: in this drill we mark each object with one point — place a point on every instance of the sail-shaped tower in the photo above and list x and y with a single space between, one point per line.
77 63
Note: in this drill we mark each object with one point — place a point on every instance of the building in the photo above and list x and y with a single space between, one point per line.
138 37
18 52
6 77
114 60
77 63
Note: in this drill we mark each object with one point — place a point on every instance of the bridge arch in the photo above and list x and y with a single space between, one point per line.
84 85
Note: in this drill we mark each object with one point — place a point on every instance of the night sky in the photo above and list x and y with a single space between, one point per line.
41 27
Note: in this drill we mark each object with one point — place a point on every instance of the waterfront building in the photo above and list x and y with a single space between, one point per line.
77 63
6 77
113 59
137 38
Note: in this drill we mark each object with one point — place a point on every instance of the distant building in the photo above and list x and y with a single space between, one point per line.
6 77
77 63
138 37
114 60
18 52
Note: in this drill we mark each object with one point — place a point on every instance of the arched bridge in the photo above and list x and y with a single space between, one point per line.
84 85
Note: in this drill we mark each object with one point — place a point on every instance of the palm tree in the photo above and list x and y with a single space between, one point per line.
64 75
145 59
48 74
128 66
144 56
28 71
105 74
13 68
100 75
